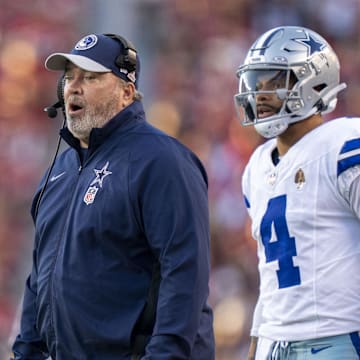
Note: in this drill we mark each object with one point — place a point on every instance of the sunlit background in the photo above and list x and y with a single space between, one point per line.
189 51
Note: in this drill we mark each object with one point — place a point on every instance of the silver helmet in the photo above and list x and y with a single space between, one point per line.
296 66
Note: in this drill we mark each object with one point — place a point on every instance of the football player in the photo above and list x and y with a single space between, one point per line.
302 191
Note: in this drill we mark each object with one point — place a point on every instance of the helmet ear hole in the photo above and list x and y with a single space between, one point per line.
320 105
319 88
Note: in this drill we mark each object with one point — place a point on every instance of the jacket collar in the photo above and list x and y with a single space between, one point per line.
123 121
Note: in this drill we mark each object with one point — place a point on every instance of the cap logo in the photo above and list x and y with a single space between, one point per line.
86 42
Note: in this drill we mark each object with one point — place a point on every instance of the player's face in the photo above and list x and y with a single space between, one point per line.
268 102
91 100
265 84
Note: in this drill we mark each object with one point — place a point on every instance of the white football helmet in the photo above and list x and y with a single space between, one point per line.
296 66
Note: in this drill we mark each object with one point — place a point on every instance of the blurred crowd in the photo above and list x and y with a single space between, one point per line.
194 49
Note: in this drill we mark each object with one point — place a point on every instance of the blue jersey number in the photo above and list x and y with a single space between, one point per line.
283 249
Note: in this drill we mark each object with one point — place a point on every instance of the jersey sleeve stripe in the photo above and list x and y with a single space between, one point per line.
347 163
350 145
349 155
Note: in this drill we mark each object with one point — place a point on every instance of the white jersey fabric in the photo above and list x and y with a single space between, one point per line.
305 218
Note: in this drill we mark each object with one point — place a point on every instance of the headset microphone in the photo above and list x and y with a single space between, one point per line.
52 110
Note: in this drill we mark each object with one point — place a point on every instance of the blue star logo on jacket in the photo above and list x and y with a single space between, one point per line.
96 184
101 175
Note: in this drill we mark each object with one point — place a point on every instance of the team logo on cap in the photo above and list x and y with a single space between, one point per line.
86 42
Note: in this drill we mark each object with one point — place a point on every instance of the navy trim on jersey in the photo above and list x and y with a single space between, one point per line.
355 339
349 155
247 203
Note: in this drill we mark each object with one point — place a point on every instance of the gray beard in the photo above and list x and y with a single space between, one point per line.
94 117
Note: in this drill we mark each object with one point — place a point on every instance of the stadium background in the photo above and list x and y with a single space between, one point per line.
189 52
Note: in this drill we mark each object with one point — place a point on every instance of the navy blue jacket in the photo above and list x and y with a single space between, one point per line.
138 197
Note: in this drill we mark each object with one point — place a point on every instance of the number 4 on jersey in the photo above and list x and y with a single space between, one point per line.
282 248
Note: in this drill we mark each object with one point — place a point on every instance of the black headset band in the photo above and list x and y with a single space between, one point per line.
127 59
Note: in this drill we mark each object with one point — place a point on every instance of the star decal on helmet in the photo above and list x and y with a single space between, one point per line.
311 43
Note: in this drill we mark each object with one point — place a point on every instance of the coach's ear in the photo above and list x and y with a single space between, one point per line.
128 93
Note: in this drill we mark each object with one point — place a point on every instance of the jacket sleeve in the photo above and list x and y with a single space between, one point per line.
174 207
28 345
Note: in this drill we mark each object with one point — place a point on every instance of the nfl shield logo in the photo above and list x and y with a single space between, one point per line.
90 195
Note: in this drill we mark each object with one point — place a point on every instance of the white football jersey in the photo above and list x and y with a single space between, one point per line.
308 234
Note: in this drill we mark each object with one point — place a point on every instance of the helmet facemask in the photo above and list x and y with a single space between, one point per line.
267 98
258 85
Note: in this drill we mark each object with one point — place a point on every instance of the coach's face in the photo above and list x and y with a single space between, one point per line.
92 99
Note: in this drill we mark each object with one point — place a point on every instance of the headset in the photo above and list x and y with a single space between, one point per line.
127 59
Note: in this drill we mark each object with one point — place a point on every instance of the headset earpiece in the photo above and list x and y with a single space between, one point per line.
125 60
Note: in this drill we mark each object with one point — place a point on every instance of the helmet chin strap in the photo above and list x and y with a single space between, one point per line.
270 129
295 119
273 128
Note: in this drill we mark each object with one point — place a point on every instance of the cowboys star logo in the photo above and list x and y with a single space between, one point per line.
311 43
101 175
96 184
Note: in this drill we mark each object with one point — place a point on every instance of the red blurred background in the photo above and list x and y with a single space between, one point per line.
189 51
